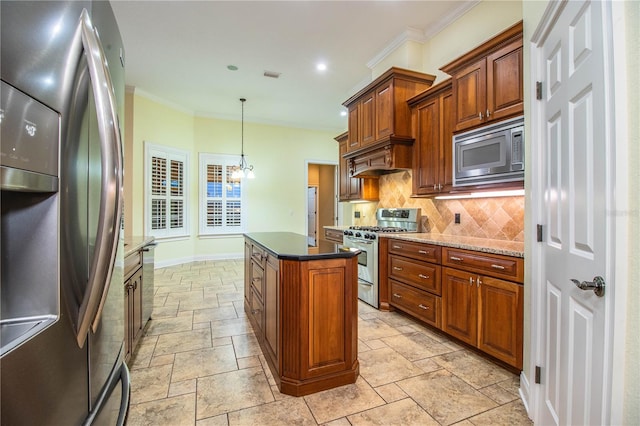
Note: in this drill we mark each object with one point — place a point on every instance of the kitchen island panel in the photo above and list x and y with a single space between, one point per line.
310 341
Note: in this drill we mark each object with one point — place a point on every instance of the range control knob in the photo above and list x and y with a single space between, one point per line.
372 236
358 234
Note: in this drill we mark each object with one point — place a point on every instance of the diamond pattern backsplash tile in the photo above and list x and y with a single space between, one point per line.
496 218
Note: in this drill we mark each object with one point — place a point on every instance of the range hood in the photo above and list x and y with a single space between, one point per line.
389 155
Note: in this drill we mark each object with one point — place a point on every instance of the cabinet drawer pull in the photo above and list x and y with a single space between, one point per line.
395 268
479 282
497 267
256 279
397 295
423 276
471 280
457 259
421 306
480 115
422 251
488 113
397 247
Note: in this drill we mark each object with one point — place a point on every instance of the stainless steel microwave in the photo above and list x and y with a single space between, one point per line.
491 154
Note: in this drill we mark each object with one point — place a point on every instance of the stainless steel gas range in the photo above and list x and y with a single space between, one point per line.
365 238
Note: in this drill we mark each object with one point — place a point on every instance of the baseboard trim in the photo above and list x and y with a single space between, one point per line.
525 394
199 258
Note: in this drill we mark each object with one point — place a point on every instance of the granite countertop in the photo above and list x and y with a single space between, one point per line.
133 244
291 246
506 248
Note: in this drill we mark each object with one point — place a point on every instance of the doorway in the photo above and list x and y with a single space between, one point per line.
322 200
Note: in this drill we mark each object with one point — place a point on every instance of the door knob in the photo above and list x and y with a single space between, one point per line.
597 285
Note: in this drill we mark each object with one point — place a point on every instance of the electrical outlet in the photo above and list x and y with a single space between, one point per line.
356 215
457 218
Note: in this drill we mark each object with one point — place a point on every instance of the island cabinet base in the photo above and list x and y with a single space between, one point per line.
305 316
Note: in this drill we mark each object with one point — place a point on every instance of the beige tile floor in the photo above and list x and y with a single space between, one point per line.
199 364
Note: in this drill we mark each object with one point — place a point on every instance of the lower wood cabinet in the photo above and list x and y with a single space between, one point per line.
485 312
133 319
304 315
473 296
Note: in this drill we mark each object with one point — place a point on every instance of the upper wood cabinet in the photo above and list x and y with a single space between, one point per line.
352 189
379 112
433 121
488 81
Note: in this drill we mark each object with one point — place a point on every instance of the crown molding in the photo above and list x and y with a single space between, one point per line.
420 36
157 99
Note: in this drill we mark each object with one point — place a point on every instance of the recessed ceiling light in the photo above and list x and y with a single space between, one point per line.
321 66
232 68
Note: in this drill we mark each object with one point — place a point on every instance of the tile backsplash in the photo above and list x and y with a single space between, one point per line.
499 218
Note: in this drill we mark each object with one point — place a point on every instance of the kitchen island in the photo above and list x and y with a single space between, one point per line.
302 303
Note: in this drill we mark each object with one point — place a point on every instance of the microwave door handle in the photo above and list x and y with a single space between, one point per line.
108 230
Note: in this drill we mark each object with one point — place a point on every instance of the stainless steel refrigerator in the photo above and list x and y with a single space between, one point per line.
61 254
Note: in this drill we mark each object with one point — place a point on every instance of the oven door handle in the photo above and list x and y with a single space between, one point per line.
359 241
362 282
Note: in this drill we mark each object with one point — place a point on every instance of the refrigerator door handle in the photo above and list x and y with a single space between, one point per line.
108 232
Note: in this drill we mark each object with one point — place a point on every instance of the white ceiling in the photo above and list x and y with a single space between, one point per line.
178 52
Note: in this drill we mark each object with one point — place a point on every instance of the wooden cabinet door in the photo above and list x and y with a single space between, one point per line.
127 321
460 305
272 307
136 307
505 92
247 272
367 119
384 110
500 320
470 93
426 148
345 179
354 128
447 124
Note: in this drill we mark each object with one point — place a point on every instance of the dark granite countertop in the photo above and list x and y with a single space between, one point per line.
291 246
506 248
133 244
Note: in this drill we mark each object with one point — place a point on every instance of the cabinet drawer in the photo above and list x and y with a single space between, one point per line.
132 263
256 311
414 250
425 276
499 266
333 235
257 279
423 305
258 255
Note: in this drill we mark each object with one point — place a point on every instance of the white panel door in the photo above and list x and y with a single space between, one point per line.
574 192
312 215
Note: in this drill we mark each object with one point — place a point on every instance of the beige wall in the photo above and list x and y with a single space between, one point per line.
276 199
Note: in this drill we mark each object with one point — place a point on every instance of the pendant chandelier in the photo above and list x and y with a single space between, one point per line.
243 169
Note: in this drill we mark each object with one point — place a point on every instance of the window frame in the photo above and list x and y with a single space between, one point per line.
225 160
170 154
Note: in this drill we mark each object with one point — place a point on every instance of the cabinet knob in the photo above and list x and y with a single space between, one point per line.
478 282
480 116
471 280
488 113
